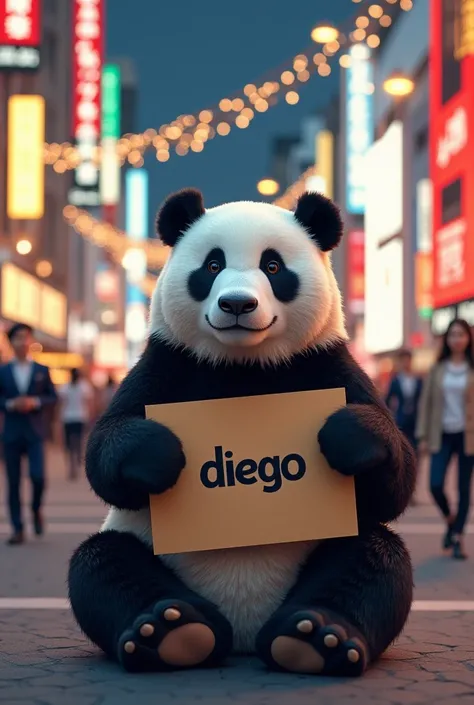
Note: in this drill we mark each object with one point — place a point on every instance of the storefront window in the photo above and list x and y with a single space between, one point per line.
451 69
451 202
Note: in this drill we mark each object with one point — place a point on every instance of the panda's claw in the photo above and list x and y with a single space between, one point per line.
129 647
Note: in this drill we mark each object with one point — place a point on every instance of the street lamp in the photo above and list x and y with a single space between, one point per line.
324 33
399 84
268 187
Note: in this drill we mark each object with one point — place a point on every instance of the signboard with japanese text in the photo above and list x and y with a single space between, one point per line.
20 35
87 61
359 124
451 163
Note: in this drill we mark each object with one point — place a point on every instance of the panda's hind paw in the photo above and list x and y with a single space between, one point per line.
173 635
314 642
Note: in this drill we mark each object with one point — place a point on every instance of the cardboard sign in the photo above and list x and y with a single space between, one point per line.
254 474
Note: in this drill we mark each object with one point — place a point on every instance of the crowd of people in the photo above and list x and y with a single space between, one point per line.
436 414
437 417
27 398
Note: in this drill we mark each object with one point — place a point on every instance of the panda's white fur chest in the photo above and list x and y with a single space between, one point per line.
246 584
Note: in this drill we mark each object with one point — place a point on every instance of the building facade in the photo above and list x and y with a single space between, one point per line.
34 285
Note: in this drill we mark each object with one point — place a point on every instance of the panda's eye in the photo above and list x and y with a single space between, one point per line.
214 267
273 267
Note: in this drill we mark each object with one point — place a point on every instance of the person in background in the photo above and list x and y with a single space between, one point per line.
108 392
76 410
445 427
404 395
26 391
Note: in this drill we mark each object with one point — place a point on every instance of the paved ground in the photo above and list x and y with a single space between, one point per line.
44 660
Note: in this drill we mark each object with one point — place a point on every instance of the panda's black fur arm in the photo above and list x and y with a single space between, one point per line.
129 457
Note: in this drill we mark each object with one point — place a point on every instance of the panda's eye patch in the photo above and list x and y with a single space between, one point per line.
273 267
214 267
201 280
284 282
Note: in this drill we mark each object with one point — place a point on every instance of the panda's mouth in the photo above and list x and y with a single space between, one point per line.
238 326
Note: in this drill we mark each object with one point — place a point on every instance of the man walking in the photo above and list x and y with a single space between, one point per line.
26 390
404 395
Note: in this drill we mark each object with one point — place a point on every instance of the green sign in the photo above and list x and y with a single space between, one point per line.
111 101
425 313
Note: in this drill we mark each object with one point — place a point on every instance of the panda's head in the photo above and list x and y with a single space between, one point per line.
248 281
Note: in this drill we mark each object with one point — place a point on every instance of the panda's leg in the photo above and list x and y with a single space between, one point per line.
351 600
138 611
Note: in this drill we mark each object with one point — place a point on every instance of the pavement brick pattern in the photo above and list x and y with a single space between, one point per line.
44 660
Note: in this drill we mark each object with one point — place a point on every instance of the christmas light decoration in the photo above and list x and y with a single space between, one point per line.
189 133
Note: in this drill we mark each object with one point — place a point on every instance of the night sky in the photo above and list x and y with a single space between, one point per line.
189 55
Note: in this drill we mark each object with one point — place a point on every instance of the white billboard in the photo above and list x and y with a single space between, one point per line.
383 248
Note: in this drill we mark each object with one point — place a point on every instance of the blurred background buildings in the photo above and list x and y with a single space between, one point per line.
391 146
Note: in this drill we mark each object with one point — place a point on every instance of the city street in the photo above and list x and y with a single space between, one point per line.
45 660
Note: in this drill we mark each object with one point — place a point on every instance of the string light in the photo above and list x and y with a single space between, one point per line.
375 11
373 41
292 97
131 148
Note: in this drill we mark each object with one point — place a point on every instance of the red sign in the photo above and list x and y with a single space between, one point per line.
451 160
87 62
20 22
356 271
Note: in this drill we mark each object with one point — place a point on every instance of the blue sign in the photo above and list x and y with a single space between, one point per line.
359 124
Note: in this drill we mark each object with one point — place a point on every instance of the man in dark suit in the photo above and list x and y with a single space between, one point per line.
26 390
404 395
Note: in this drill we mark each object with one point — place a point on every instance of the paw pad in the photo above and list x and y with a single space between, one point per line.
129 647
353 655
331 641
305 626
147 629
171 614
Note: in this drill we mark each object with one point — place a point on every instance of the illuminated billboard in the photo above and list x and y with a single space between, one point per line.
25 163
383 243
136 226
87 61
20 35
359 124
110 164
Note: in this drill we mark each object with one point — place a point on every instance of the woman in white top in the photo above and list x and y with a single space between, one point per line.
76 397
445 427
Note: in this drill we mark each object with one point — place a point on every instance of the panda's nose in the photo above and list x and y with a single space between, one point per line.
237 304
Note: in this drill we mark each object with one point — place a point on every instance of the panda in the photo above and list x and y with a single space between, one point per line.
247 304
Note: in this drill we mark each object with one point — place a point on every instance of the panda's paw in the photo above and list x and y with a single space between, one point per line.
314 641
152 457
350 441
174 635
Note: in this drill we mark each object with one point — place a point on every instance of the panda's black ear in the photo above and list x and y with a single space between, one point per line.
178 212
321 219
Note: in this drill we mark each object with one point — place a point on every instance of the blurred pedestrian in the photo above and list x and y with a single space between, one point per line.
26 390
404 395
108 393
76 410
445 427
